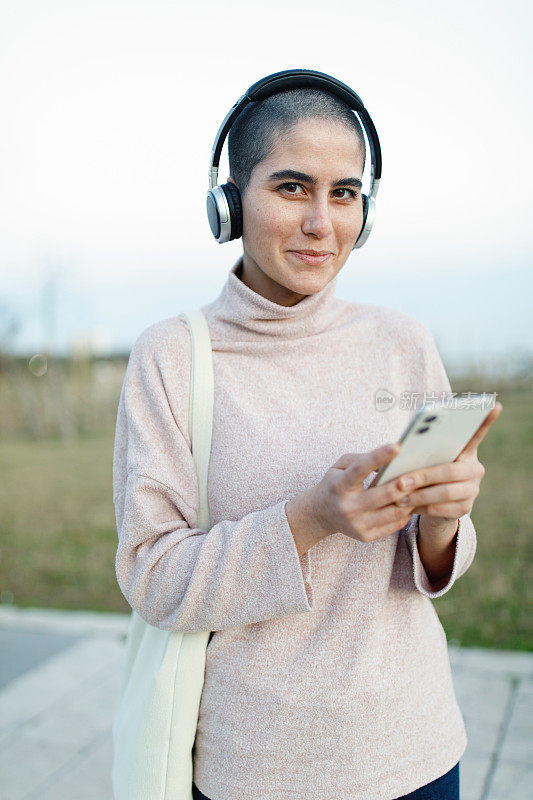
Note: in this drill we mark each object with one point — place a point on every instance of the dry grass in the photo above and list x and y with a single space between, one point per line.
72 397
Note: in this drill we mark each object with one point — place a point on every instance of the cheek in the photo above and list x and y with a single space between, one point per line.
266 222
349 225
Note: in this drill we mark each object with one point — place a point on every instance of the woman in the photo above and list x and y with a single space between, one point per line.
328 673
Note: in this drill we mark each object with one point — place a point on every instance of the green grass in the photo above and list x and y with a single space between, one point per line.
57 524
491 605
58 535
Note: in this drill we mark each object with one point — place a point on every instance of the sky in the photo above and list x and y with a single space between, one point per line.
110 110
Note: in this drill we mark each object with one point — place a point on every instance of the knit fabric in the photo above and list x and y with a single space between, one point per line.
328 674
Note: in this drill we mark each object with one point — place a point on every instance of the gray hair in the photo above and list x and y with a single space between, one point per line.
252 137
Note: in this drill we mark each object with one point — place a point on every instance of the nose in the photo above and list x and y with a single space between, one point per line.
317 219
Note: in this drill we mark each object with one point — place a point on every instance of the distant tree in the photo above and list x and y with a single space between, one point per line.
9 327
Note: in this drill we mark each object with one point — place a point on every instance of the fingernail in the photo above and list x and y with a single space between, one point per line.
403 501
406 483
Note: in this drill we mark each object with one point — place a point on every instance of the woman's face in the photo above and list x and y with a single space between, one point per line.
306 196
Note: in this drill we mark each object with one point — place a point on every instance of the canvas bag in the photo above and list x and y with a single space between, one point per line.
155 720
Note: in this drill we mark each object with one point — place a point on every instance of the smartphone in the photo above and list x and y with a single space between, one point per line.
437 434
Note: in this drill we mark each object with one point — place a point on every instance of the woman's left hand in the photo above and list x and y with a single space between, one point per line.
446 492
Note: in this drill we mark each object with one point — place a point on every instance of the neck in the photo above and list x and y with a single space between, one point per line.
243 314
253 276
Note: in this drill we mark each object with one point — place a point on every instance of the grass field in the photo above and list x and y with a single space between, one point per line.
58 536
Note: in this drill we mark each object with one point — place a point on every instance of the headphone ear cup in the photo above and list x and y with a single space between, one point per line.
233 197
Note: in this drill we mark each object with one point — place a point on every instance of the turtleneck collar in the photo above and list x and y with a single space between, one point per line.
247 314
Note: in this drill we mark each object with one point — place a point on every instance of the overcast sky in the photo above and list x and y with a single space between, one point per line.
109 114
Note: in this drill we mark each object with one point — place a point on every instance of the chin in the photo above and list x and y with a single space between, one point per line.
307 282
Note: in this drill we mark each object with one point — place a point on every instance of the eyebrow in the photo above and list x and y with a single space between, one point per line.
294 175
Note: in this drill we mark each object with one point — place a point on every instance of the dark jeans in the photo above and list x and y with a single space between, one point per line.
444 788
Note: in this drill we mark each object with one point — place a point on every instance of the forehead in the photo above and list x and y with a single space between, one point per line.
324 143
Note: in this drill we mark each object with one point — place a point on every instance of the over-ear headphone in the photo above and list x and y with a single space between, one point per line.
224 207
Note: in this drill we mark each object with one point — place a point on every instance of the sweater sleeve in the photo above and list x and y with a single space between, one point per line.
465 548
432 381
173 574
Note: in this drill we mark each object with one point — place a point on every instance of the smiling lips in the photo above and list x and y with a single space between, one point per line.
312 256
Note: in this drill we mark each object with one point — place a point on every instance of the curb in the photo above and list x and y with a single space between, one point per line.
89 623
513 663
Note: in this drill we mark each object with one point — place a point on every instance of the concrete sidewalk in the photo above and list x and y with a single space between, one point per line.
60 674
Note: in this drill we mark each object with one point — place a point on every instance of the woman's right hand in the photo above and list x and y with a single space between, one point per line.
340 504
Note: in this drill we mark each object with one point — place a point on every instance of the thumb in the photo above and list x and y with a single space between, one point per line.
481 432
358 465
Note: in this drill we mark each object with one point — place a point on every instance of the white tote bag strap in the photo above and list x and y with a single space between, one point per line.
201 406
155 721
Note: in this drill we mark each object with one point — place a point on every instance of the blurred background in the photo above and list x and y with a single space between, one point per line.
109 114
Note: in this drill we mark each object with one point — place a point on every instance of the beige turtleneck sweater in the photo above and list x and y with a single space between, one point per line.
328 675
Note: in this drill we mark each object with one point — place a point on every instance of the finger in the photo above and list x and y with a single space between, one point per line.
377 497
482 431
392 491
451 510
440 473
387 530
386 516
443 493
355 473
385 522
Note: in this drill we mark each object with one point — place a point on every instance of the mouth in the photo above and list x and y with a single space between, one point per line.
312 256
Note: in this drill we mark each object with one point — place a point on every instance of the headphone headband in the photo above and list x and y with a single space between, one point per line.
218 206
303 79
297 79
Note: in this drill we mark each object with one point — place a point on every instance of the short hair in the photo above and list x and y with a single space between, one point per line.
252 137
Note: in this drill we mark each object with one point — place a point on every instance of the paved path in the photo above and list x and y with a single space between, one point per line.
60 673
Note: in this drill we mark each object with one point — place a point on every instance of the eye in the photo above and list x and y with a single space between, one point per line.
291 187
288 187
352 193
